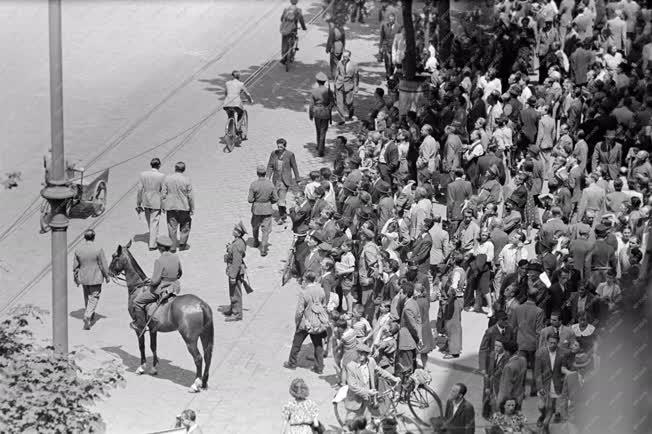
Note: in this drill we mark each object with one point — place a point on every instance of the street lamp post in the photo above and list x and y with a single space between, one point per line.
58 192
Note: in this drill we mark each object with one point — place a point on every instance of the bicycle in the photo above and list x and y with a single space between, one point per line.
422 401
233 135
289 56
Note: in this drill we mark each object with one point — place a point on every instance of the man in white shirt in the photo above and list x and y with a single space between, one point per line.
490 83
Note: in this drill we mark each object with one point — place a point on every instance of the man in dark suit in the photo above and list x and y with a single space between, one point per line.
459 417
496 364
300 216
548 378
89 269
409 335
282 164
489 159
502 330
388 161
421 247
321 104
459 191
512 380
335 43
235 271
262 195
314 257
528 323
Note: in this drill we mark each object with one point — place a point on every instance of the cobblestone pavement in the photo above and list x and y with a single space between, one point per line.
173 79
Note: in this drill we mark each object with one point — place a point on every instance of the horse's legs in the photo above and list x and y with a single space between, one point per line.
143 357
207 345
152 346
191 343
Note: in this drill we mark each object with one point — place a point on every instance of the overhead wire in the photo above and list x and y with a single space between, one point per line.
31 209
251 81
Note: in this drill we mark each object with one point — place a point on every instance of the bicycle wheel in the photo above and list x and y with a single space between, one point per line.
290 55
244 128
425 405
231 135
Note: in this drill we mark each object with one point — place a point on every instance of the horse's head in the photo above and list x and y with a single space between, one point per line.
119 260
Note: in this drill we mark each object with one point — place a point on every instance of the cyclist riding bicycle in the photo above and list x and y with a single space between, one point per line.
233 101
290 20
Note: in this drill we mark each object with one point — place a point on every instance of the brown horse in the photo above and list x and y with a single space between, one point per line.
188 314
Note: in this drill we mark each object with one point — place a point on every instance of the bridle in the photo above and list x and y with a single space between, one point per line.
122 281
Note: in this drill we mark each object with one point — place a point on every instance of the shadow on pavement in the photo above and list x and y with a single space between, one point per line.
166 370
79 314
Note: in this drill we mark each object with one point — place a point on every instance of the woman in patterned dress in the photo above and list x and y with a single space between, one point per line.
300 413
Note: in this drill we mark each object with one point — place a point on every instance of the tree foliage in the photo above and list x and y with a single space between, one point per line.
45 392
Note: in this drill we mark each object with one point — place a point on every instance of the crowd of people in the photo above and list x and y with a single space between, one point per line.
539 154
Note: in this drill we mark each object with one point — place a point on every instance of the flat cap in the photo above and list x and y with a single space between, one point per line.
164 240
321 76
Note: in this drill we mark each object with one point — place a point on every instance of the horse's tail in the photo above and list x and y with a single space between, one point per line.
206 337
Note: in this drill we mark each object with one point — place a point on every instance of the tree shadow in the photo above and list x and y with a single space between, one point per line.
166 370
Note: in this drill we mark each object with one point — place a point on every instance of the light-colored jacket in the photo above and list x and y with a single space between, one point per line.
150 185
89 264
359 391
177 193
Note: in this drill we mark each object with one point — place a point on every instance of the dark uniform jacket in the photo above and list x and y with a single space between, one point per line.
262 195
235 254
321 102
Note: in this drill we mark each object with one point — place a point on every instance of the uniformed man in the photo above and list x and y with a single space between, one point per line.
164 280
235 271
262 195
89 269
321 103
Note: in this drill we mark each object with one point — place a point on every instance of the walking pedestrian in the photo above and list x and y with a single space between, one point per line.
321 104
291 18
312 320
89 268
262 195
179 206
235 271
148 200
280 168
347 78
335 44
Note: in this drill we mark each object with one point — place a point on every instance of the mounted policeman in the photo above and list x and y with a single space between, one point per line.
164 281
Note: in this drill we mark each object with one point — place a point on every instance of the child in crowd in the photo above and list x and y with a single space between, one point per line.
360 324
345 271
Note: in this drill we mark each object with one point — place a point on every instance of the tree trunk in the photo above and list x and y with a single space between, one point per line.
445 34
410 60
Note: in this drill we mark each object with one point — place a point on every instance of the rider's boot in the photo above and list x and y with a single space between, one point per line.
139 323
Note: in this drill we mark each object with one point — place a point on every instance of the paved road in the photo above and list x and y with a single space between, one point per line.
137 73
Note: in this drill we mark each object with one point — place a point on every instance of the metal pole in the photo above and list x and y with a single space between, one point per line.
58 191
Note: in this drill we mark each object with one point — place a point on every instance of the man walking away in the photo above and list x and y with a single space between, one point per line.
321 103
179 206
262 195
89 267
280 168
148 199
311 320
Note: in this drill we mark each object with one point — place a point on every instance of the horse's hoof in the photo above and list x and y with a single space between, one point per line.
140 370
153 371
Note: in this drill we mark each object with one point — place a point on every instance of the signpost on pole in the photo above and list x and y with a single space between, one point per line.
57 190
